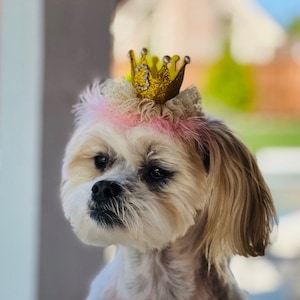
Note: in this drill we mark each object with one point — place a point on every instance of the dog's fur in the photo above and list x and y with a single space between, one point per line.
178 208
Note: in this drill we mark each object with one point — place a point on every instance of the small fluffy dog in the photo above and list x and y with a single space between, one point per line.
174 189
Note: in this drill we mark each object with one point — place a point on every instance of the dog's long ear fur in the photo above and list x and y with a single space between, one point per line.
239 208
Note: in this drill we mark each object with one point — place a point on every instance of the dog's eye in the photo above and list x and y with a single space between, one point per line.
101 161
157 173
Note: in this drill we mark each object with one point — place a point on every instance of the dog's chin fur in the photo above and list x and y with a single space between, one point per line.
211 203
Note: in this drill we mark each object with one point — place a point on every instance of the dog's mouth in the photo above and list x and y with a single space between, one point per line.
104 217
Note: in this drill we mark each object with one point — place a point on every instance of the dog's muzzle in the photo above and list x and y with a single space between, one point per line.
105 190
105 200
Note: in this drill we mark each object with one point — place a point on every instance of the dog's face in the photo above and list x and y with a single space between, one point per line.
135 187
146 184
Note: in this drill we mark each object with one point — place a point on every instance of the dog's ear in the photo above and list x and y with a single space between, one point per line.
239 208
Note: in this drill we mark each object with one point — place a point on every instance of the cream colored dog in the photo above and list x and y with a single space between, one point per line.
174 189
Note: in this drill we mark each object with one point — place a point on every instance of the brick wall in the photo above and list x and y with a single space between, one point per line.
278 86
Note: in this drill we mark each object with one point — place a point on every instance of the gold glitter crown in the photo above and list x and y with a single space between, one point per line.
150 82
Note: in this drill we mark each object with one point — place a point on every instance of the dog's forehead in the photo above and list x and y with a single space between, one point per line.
136 140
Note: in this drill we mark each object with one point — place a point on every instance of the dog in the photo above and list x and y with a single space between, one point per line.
171 186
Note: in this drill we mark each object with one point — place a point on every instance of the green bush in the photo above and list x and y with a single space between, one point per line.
294 28
231 83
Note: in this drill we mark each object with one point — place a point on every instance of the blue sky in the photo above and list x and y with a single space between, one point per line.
284 11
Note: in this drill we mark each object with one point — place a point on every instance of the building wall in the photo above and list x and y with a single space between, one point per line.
77 49
278 86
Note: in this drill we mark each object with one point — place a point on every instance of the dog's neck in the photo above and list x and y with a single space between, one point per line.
160 273
168 274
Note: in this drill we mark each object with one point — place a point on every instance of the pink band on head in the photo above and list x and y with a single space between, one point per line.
95 111
115 102
187 129
99 110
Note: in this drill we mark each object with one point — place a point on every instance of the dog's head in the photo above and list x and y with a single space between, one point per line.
136 187
163 174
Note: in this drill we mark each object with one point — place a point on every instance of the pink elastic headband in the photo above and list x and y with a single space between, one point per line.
115 101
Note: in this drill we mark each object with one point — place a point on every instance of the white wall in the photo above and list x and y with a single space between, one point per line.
21 48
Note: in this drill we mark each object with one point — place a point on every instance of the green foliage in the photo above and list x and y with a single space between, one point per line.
266 131
294 28
231 83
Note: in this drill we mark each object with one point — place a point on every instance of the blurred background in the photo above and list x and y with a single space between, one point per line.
246 63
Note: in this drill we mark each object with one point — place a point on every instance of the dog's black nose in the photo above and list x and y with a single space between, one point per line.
105 190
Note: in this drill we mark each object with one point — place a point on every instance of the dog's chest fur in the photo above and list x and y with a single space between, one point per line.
159 275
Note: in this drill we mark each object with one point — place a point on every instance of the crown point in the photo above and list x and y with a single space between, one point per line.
155 59
166 59
175 58
187 59
144 51
130 53
132 57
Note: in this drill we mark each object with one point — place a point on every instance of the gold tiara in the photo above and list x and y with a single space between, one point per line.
150 82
